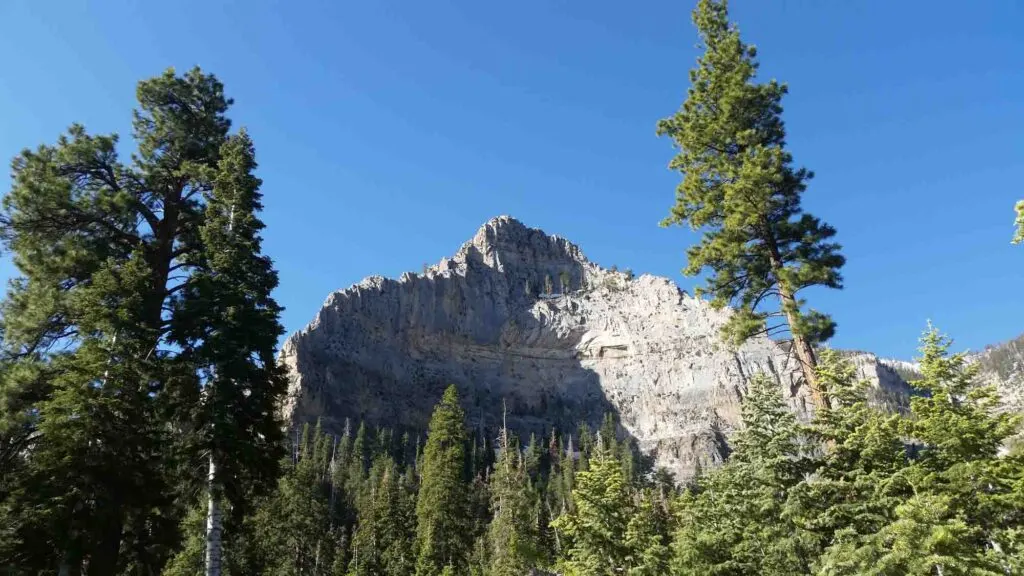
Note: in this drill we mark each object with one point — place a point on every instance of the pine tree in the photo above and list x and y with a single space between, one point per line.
740 187
442 516
512 535
532 458
734 521
383 540
109 254
648 538
568 480
585 444
596 529
226 309
292 528
854 490
964 504
189 561
359 462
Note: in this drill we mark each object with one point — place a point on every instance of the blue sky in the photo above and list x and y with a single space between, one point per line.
387 132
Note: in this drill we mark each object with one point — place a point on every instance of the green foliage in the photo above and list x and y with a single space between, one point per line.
1018 237
292 531
513 538
648 536
228 321
734 521
442 519
138 357
957 506
188 561
597 526
138 311
854 489
383 541
740 187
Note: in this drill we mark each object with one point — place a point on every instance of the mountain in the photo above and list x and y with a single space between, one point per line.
1002 365
522 322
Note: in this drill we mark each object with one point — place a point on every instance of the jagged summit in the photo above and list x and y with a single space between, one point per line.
521 318
505 241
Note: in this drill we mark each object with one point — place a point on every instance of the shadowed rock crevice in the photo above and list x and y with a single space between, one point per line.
523 317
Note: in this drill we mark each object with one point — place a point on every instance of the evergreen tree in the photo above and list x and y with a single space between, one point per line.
585 444
512 535
739 186
292 528
190 559
229 321
596 529
341 504
964 503
568 480
648 538
532 457
108 255
359 462
855 489
734 521
442 517
383 540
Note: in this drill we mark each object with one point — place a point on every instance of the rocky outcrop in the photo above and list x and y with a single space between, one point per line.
522 321
1002 366
889 388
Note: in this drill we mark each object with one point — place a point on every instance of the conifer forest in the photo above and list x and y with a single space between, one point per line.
141 393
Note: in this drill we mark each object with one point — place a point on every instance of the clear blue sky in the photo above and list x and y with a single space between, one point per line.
387 132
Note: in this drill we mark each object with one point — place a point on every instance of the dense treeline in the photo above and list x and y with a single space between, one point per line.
372 501
858 490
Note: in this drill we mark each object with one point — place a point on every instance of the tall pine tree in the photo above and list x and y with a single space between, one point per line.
383 541
512 535
227 322
107 355
443 537
740 187
596 529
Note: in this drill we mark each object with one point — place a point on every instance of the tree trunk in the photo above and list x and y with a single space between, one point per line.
213 523
104 559
804 351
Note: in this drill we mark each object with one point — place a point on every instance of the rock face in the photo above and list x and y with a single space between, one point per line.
522 321
1002 365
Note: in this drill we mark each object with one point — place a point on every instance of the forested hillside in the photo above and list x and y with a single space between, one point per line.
844 494
142 400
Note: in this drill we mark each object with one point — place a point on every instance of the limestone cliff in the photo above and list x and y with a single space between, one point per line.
523 318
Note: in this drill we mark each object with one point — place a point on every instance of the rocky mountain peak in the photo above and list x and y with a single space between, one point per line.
505 243
521 319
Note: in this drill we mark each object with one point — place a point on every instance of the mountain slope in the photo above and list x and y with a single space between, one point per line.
521 320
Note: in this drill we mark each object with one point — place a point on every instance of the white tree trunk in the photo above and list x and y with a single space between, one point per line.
213 524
